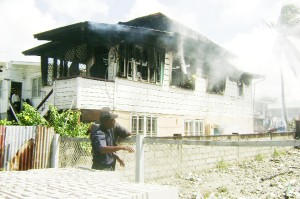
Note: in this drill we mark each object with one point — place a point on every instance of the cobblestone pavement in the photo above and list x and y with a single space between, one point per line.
77 183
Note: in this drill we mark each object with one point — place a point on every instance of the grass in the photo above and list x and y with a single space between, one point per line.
207 194
222 189
222 165
278 153
243 164
259 157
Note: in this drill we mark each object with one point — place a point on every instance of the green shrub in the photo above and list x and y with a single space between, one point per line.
29 116
67 123
4 122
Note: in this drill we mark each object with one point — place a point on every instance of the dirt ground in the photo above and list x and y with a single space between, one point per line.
263 177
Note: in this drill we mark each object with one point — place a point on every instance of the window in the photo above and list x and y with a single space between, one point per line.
183 72
1 88
36 87
193 127
216 78
216 85
141 63
240 88
144 125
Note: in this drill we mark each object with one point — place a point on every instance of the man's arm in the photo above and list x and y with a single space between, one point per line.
120 131
121 162
112 149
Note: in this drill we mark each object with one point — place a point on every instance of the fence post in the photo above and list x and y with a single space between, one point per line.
139 160
297 133
55 151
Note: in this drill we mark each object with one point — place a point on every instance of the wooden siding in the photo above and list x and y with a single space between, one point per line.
140 97
229 110
96 94
65 94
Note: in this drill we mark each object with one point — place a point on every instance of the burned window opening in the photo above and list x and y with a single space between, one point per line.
216 79
179 78
216 85
240 86
100 65
246 79
140 63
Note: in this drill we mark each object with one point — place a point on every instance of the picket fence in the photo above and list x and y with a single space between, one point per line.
25 147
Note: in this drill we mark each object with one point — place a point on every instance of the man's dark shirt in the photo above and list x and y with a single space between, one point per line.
101 137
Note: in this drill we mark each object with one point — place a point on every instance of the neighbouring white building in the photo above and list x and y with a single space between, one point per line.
161 77
23 78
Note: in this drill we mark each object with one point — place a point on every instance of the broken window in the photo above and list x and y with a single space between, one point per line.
140 62
240 88
100 65
216 85
193 127
183 72
144 125
216 79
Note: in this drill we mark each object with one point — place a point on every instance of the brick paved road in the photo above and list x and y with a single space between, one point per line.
77 183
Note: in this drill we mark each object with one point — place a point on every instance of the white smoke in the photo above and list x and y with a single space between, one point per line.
181 54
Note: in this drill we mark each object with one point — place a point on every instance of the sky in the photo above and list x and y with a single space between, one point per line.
237 25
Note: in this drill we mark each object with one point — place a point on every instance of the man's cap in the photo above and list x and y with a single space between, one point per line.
106 114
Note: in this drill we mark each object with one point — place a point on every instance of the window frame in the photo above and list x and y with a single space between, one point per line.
144 125
193 127
142 63
36 90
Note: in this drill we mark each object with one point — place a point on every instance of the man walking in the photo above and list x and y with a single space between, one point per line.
104 143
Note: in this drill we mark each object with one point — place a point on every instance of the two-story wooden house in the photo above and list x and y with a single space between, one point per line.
161 77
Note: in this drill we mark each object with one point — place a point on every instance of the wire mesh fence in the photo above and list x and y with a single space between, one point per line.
165 157
75 152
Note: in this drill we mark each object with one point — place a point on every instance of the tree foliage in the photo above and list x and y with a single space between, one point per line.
65 123
289 16
288 26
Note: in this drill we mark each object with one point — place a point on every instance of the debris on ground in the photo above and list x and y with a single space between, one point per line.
274 177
